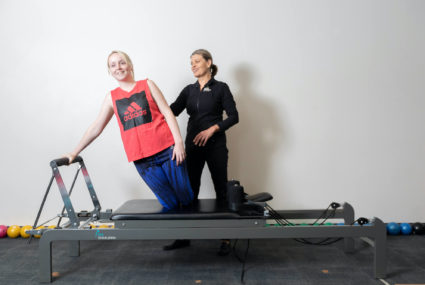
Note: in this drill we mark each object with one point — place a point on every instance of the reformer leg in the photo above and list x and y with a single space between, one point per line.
45 260
74 248
380 249
42 205
348 220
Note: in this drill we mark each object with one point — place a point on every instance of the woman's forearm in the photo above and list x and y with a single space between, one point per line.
96 128
89 136
174 127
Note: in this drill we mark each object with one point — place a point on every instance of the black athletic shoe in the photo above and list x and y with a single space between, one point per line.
225 248
178 243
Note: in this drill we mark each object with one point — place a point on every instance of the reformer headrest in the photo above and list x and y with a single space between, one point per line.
236 196
259 197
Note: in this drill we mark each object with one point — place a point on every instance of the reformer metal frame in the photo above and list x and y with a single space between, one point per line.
256 228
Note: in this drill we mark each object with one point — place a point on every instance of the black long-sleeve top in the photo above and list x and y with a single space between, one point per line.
205 107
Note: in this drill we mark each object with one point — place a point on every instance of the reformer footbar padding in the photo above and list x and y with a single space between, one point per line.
65 161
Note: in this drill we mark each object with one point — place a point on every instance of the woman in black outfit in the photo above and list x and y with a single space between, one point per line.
205 101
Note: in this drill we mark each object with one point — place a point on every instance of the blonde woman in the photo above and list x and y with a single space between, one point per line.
149 131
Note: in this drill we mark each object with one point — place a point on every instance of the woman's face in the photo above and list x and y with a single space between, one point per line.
119 68
200 66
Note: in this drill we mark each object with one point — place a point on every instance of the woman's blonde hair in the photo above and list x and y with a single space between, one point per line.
126 58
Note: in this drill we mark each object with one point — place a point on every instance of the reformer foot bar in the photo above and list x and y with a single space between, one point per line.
147 220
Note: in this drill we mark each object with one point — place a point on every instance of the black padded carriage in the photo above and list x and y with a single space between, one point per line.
204 209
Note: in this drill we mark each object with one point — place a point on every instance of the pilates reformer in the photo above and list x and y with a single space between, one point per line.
148 220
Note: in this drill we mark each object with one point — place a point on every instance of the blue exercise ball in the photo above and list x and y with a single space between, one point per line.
405 228
393 228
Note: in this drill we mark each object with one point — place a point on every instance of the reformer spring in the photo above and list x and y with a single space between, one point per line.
282 221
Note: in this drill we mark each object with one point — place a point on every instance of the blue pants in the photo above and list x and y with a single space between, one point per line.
169 182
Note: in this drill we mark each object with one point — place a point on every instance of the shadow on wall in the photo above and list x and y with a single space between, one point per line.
256 138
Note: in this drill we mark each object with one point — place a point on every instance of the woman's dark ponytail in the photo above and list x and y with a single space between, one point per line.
214 70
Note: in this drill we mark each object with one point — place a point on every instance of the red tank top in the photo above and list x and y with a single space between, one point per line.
144 131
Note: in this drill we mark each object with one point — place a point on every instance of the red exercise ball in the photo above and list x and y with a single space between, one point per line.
3 231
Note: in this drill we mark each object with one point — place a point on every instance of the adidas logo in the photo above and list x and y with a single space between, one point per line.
133 111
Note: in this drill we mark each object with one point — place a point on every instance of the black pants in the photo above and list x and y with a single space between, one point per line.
215 154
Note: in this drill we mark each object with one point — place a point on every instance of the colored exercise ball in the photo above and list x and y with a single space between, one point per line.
3 231
418 229
24 230
14 231
393 228
405 228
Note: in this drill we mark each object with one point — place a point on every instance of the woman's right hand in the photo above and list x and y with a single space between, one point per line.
179 154
71 156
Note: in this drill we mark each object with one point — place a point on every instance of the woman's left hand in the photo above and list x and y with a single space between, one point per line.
202 138
179 153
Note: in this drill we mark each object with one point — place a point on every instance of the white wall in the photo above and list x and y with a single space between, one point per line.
330 95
